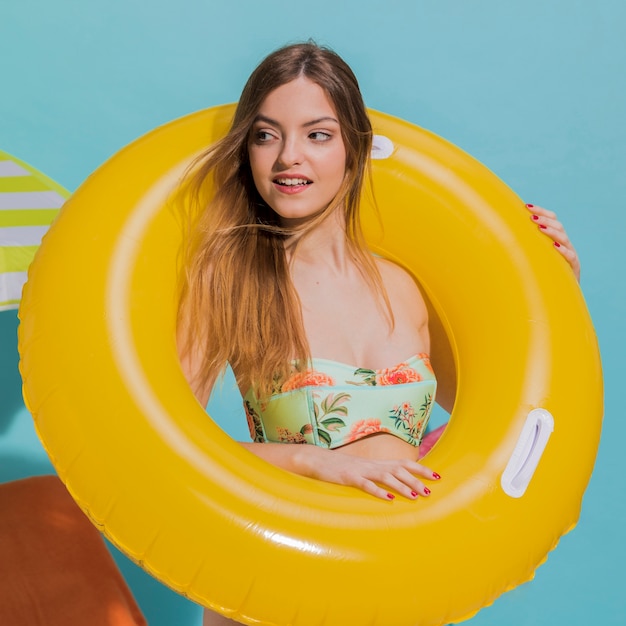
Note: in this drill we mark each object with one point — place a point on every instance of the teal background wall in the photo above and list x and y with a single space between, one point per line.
533 89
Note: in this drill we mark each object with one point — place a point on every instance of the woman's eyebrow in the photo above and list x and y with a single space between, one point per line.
321 119
272 122
266 120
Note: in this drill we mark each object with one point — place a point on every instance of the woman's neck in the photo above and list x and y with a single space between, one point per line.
325 246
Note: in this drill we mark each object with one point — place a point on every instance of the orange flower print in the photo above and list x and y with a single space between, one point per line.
406 420
398 375
362 428
407 409
308 378
426 361
286 436
254 424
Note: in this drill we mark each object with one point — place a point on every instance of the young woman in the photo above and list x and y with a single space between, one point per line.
329 344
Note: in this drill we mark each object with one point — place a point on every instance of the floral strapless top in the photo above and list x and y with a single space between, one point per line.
332 404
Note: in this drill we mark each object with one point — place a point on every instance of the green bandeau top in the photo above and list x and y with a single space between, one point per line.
331 404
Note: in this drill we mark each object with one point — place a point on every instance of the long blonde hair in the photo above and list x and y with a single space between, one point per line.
238 303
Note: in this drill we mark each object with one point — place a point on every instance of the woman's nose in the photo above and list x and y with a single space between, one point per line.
291 153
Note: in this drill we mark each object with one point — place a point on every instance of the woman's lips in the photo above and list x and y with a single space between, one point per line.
291 184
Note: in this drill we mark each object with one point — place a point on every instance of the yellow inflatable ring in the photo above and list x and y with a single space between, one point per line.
263 546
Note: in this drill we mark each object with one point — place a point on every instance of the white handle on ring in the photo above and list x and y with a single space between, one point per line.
382 147
528 450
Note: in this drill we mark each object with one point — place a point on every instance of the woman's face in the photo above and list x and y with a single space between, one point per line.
297 155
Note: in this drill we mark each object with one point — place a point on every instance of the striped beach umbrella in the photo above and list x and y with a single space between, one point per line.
29 202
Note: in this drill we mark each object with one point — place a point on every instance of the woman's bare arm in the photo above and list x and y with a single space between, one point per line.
375 477
190 357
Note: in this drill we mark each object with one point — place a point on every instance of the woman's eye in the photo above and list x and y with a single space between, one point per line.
320 135
262 136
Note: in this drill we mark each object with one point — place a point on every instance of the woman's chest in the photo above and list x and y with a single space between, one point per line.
352 325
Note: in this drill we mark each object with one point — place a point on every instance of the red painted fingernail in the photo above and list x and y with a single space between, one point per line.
530 206
436 476
390 496
414 494
542 226
535 217
426 491
557 244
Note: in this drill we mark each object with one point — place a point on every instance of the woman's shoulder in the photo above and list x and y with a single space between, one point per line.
400 285
395 276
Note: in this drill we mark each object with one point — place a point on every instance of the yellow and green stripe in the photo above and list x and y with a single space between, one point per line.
29 203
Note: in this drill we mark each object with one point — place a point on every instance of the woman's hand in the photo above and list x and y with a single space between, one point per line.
380 478
551 227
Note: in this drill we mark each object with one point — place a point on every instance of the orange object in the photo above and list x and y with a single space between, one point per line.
55 568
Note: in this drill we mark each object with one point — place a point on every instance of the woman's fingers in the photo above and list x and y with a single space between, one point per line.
376 490
406 484
385 479
571 257
382 478
550 226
